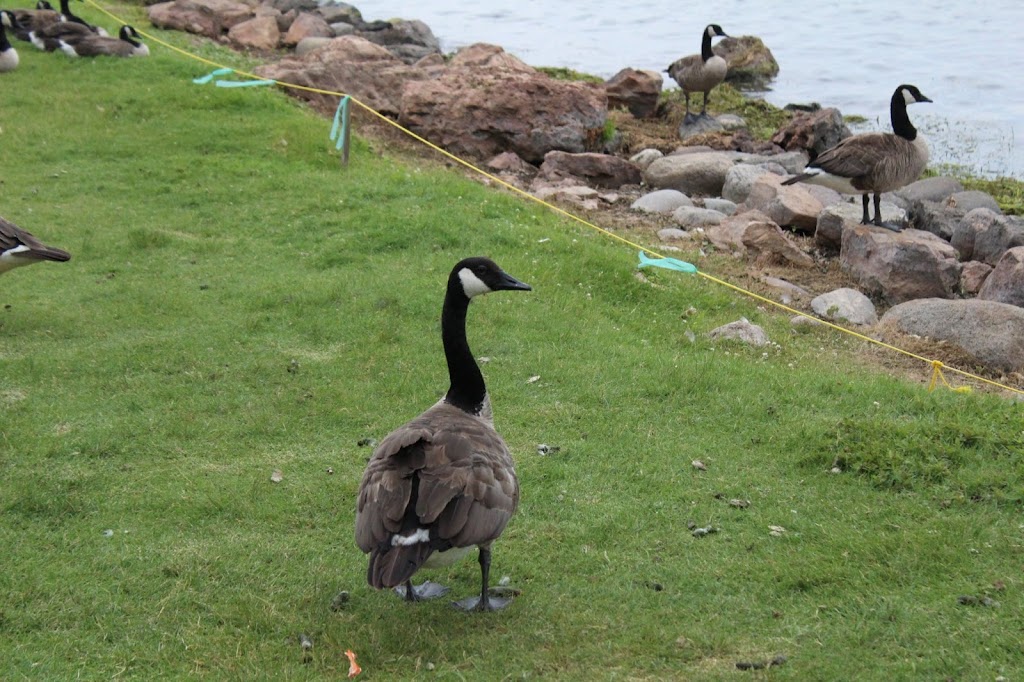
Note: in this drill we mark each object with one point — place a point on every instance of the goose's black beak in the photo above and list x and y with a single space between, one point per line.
510 283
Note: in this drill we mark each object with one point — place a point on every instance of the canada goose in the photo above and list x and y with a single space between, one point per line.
445 481
874 162
700 72
8 55
91 45
27 20
18 247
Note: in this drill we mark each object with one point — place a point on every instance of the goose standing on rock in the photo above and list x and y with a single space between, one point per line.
8 55
444 482
874 162
700 72
18 247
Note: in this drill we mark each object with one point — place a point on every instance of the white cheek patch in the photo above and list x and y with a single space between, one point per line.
421 535
908 98
471 284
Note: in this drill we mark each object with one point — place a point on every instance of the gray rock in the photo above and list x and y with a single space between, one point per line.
702 173
661 201
731 121
751 63
689 217
306 25
1000 348
935 217
670 234
846 304
738 181
826 196
1006 283
787 290
598 170
754 236
574 193
971 199
645 157
900 266
985 235
786 205
699 126
972 276
741 330
828 233
342 28
307 45
938 188
340 12
792 162
723 206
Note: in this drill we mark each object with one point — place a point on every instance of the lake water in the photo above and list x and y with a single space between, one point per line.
966 56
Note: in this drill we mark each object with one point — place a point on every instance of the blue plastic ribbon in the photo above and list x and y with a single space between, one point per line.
203 80
340 124
667 263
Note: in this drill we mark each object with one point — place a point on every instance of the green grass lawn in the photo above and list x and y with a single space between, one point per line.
237 304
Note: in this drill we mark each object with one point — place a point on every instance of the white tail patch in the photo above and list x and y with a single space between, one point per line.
471 284
421 535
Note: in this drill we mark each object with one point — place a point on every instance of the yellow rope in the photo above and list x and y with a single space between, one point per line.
937 366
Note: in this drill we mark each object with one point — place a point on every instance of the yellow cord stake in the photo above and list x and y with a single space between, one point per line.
937 366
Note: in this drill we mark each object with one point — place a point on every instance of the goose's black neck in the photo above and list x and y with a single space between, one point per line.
901 124
705 47
466 390
5 44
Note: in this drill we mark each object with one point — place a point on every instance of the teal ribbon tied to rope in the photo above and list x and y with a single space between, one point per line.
339 128
667 263
203 80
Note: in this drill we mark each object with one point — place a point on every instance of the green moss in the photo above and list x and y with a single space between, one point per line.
562 73
1008 192
855 119
762 118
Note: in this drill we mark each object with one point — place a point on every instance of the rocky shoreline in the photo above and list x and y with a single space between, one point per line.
955 274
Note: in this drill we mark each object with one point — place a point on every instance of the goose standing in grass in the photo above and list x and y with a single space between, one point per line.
874 162
700 72
18 247
444 482
8 55
127 44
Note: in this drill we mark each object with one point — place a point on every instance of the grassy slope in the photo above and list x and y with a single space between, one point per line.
145 388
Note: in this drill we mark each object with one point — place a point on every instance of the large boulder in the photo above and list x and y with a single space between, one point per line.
938 188
786 205
999 348
985 235
598 170
900 266
739 180
971 199
751 63
258 33
663 201
701 173
847 305
812 131
409 40
835 219
755 237
352 65
307 25
212 18
636 90
1006 283
937 217
488 102
340 12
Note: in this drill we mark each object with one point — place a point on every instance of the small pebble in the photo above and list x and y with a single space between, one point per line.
739 504
108 533
339 601
277 476
697 464
545 449
367 442
330 471
701 532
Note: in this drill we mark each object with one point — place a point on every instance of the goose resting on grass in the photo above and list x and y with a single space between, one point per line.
874 162
18 247
8 55
444 482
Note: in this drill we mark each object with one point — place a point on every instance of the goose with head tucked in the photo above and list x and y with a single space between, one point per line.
27 20
18 247
444 482
700 72
873 163
8 55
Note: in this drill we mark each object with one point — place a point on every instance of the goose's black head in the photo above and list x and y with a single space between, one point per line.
43 4
714 30
8 20
127 33
477 276
911 95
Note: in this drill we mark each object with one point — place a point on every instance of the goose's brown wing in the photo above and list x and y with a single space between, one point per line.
466 485
683 69
861 155
12 236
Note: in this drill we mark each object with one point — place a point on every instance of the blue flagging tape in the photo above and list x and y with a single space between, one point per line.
667 263
340 124
203 80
